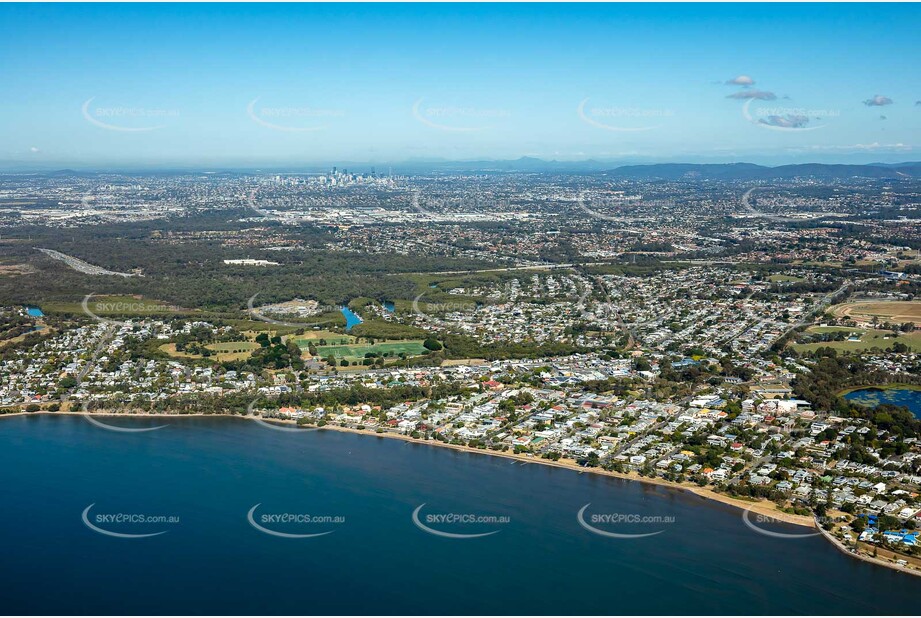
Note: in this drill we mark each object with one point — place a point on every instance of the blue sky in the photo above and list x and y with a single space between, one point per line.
221 85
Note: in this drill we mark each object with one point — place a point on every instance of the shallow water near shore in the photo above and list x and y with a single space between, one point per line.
373 558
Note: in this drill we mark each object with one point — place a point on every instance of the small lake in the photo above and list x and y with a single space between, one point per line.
35 312
872 397
351 318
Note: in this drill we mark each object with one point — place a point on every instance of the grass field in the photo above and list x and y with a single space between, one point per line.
226 351
358 351
170 348
314 336
782 278
886 311
869 338
233 347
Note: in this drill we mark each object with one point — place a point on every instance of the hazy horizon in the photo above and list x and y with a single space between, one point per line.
201 86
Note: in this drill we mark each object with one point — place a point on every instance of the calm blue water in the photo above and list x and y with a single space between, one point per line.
35 312
389 306
351 318
872 397
210 472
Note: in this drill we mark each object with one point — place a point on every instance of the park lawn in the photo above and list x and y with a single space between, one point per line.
170 348
358 351
313 336
779 278
869 339
233 346
251 328
835 329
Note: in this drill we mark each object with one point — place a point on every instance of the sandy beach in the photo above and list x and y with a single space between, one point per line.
762 507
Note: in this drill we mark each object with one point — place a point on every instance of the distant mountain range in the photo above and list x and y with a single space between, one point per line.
682 171
750 171
646 171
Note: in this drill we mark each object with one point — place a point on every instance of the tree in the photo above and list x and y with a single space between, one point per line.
432 344
68 382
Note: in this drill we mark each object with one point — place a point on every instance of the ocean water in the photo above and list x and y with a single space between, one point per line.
872 397
210 473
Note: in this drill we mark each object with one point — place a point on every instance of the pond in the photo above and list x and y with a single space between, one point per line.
871 397
351 318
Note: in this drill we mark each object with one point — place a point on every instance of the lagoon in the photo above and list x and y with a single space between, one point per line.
351 318
871 397
209 472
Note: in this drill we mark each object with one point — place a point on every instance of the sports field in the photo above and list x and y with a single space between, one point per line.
885 311
233 347
358 351
314 336
784 278
869 339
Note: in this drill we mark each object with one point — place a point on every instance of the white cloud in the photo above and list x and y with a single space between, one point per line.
871 147
741 80
788 121
878 100
761 95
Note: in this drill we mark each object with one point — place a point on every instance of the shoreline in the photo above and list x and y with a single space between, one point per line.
761 507
859 556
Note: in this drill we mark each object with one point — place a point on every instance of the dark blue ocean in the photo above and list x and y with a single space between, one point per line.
210 473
